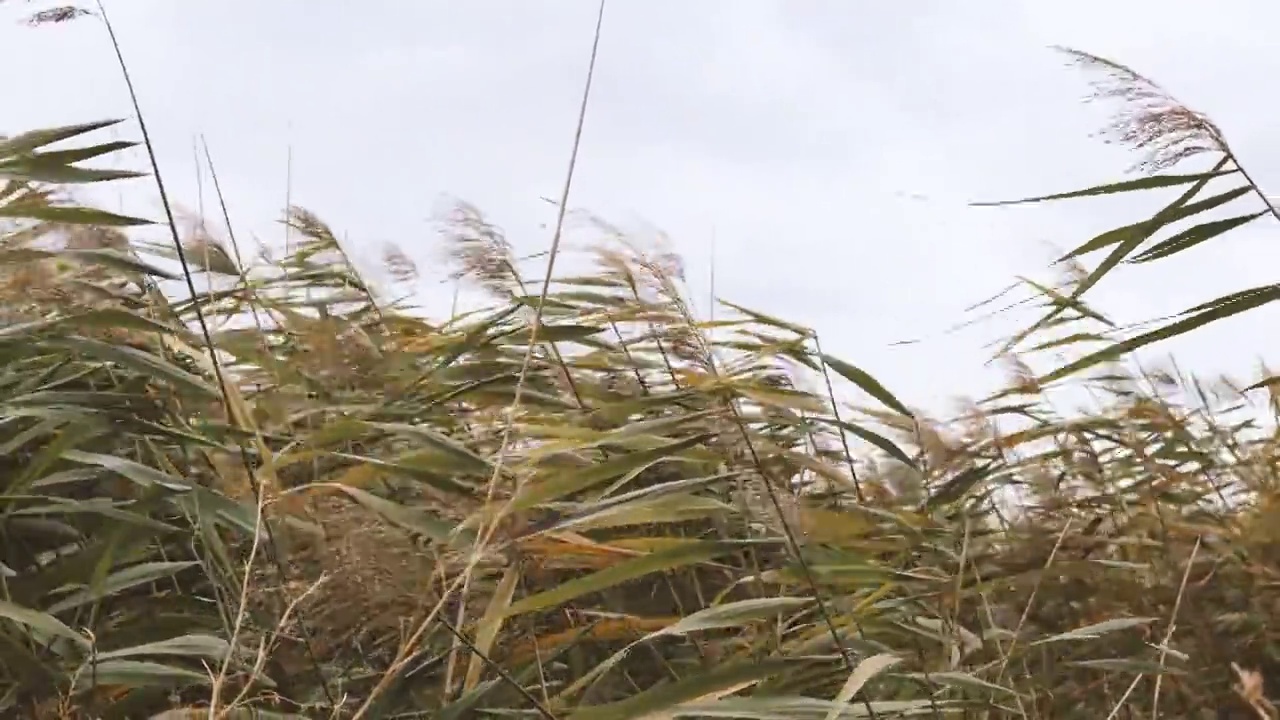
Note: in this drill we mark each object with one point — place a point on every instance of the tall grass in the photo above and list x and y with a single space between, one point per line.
690 521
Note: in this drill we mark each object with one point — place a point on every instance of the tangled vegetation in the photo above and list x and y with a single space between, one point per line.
254 487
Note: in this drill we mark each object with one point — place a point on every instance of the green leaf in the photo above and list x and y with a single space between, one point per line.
866 383
69 215
205 647
781 398
146 477
1121 251
35 139
874 438
958 486
1205 313
415 520
556 333
233 713
1128 665
1062 302
34 169
770 320
655 701
1179 209
206 504
1072 339
655 426
117 260
459 456
682 486
1129 241
97 506
138 673
865 670
958 678
76 431
1090 632
529 398
766 707
1194 236
103 317
139 361
45 623
1143 183
1115 236
653 502
105 257
111 548
679 556
133 576
422 466
544 489
651 511
733 614
75 155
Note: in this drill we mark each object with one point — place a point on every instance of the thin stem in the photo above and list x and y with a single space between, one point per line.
486 536
835 413
546 285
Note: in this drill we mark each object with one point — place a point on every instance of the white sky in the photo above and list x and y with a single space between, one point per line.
831 147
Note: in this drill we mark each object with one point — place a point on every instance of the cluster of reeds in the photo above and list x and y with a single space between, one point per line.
277 494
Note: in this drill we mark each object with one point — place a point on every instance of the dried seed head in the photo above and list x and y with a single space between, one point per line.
1022 378
1250 689
1149 119
56 15
669 264
319 246
204 251
480 250
687 344
663 269
401 267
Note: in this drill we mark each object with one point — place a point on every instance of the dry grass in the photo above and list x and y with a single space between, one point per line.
585 501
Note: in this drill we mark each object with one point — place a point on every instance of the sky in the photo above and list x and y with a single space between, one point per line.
821 154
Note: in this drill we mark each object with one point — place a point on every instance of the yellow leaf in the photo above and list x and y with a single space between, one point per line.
491 623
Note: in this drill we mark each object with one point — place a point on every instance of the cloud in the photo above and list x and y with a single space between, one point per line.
830 147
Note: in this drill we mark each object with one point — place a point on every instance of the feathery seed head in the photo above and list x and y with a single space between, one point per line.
1149 119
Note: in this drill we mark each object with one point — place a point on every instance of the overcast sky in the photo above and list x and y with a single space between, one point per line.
830 147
